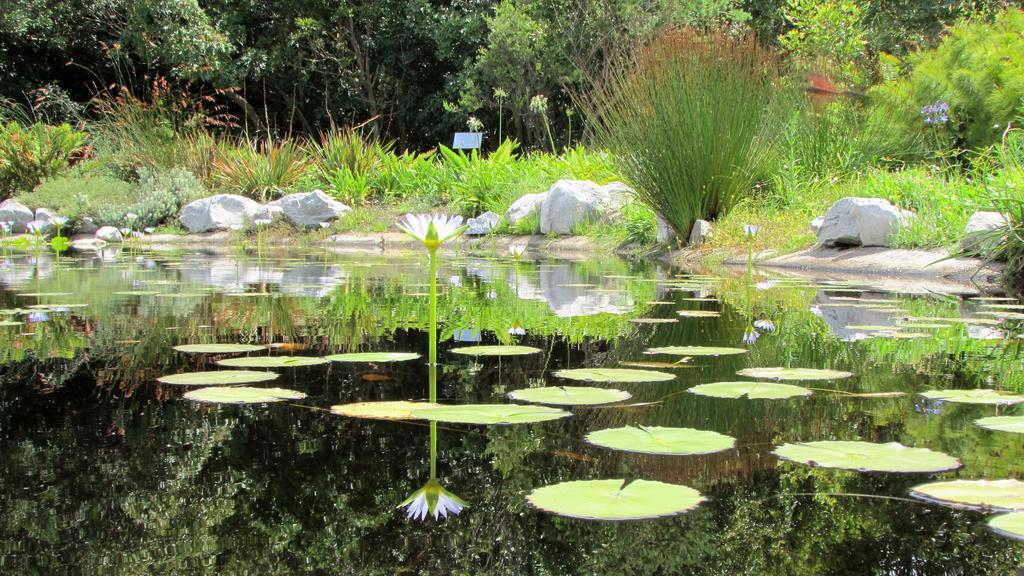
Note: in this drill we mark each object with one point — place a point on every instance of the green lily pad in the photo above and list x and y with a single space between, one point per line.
793 374
496 350
974 396
373 357
660 440
695 351
181 295
1003 423
242 395
615 375
1000 495
136 293
867 456
397 410
615 499
217 348
217 378
653 320
271 361
42 294
9 323
569 395
1010 525
698 314
752 390
489 413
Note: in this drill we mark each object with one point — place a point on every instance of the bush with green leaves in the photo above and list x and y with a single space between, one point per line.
30 154
79 194
473 180
260 170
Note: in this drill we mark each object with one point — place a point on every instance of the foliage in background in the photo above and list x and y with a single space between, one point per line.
829 29
262 170
28 154
1005 194
693 121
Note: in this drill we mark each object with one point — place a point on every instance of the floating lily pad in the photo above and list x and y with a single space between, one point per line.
698 314
793 374
615 499
615 375
217 378
1003 423
242 395
489 413
1010 525
569 395
974 396
673 365
9 323
373 357
217 348
136 293
660 440
496 350
1002 495
42 294
181 295
397 410
272 361
695 351
867 456
653 320
752 390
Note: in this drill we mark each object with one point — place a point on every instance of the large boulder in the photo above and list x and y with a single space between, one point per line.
861 222
524 207
87 226
700 233
979 234
220 212
664 234
109 234
17 214
307 208
482 224
571 203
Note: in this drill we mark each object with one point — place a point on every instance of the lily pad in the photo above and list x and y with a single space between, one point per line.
653 320
136 293
1001 495
489 413
698 314
615 499
793 374
615 375
217 348
242 395
752 390
867 456
695 351
272 361
9 323
974 396
673 365
397 410
569 395
373 357
217 378
496 350
1010 525
661 440
1003 423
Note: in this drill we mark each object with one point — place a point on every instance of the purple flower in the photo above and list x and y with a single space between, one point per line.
34 317
750 337
936 113
765 325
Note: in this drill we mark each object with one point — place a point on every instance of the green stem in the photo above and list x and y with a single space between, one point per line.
551 139
433 450
432 350
501 109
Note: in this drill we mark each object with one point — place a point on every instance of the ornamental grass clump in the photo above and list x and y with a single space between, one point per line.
693 119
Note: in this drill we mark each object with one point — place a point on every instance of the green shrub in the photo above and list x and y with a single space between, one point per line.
29 155
77 194
1004 193
693 121
474 180
260 170
640 223
977 70
406 175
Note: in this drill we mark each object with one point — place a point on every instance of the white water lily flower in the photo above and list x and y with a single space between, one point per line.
131 216
7 226
750 230
433 500
765 325
517 250
149 230
750 337
262 221
517 329
432 230
59 220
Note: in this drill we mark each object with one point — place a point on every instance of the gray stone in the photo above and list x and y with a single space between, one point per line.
87 226
482 224
980 232
17 214
88 244
47 221
665 234
861 222
700 233
308 208
109 234
220 212
816 224
572 203
524 207
272 211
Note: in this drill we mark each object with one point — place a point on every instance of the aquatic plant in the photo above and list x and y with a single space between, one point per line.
432 500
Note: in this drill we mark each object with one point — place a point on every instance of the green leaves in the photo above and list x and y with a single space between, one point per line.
660 440
866 456
217 378
373 357
615 375
489 413
976 396
392 410
615 499
495 350
569 395
272 361
218 348
1005 495
243 395
793 374
752 390
695 351
1003 423
1009 525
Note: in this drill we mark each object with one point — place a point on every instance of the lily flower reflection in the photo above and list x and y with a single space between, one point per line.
517 329
764 325
750 337
517 250
432 230
432 500
750 230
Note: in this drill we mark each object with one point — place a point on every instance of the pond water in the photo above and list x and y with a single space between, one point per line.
107 471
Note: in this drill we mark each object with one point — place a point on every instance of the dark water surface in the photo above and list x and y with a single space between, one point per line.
106 471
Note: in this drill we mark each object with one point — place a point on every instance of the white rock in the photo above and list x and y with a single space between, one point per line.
109 234
219 212
816 224
482 224
978 234
310 208
861 222
571 203
700 233
17 214
524 207
272 211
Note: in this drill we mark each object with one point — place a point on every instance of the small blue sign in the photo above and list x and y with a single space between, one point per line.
468 140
